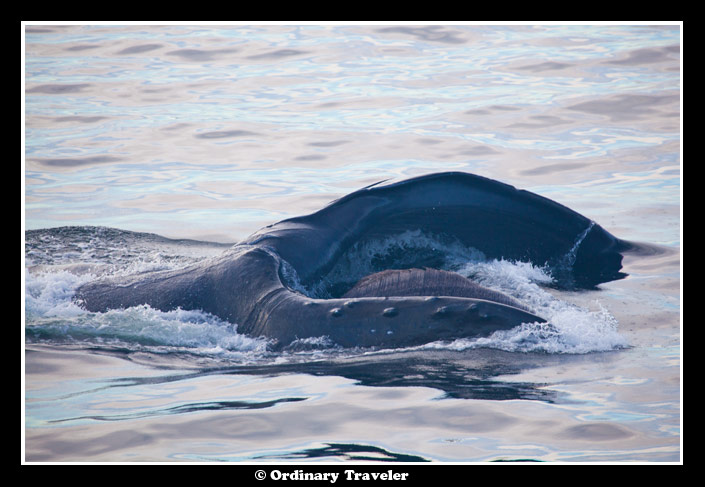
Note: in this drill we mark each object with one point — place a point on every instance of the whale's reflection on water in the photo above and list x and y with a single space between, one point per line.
471 374
468 374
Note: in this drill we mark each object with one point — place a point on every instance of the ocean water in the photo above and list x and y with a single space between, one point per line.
154 147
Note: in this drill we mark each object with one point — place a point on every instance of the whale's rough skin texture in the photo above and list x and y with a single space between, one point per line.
244 286
425 282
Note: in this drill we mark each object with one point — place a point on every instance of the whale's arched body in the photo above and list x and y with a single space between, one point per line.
250 284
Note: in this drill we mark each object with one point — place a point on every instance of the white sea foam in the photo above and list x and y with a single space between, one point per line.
49 293
569 328
52 315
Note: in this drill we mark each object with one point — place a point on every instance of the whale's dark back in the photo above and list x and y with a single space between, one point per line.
493 217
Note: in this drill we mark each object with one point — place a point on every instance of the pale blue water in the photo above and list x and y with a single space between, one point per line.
209 133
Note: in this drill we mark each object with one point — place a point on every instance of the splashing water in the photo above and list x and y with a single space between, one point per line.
52 315
569 328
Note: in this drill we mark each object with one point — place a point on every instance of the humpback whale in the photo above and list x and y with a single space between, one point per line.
260 283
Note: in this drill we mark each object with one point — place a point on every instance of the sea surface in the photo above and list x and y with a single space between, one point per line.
154 147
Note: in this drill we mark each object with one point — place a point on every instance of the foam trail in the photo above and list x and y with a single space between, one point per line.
50 293
52 316
570 328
